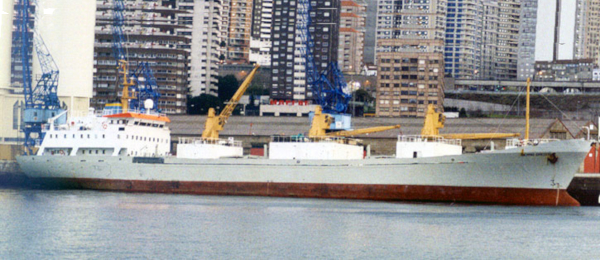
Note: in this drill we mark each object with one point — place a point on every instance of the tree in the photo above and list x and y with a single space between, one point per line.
451 109
363 96
227 85
462 113
257 90
199 105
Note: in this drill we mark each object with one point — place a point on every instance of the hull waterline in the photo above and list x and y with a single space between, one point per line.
478 195
525 177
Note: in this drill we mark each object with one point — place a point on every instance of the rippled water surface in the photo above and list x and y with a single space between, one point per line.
42 224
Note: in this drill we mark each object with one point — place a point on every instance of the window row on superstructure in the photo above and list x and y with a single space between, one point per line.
133 137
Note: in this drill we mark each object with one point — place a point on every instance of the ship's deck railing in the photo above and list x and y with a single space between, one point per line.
225 142
529 142
74 114
108 112
427 139
306 139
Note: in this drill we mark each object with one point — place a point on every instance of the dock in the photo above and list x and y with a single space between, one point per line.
585 188
11 175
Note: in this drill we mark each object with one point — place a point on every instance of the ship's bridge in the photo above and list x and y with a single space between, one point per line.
109 133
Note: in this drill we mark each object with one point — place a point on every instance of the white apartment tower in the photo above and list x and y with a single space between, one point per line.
260 40
206 47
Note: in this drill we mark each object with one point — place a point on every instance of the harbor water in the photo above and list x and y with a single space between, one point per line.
81 224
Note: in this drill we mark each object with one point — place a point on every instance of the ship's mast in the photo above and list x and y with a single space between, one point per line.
527 110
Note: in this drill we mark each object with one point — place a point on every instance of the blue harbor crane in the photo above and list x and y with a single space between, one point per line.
41 101
328 86
144 84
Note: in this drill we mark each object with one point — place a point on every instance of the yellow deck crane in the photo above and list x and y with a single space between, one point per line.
321 123
214 124
434 121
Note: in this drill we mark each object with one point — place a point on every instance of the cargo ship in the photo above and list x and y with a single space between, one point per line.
120 149
130 151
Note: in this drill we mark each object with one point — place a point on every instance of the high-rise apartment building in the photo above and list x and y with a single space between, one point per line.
206 44
587 30
16 65
287 59
239 16
225 14
464 38
370 33
501 39
352 36
284 62
527 35
410 56
260 40
154 33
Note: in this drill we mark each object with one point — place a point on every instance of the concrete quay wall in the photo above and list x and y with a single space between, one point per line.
11 174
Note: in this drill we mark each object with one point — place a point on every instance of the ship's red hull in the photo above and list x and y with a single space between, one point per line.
483 195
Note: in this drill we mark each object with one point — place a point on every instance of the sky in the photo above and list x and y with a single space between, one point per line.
545 30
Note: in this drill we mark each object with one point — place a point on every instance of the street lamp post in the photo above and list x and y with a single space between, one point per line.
577 108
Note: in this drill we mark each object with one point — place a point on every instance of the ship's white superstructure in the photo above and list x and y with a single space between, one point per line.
109 134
